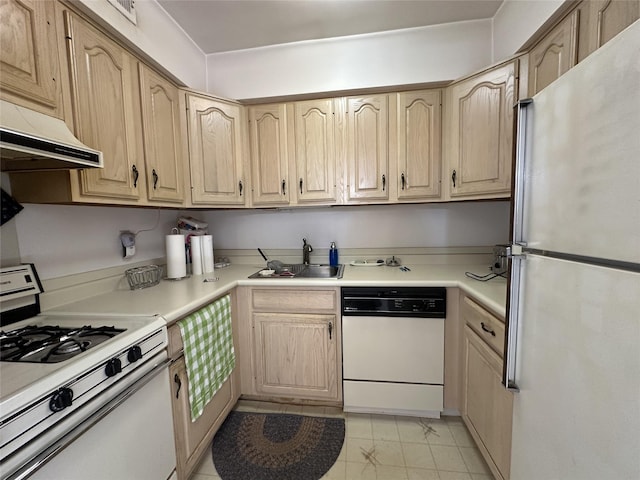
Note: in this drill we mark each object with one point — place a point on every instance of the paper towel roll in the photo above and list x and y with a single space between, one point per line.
207 253
196 255
176 257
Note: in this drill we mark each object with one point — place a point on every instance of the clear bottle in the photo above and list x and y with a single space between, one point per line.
333 254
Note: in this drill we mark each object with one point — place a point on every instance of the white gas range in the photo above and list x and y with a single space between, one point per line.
81 390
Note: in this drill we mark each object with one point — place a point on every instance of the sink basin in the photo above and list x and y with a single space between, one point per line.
304 271
322 271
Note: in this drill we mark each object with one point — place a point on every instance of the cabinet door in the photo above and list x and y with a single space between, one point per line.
601 20
419 153
314 151
163 142
215 152
192 438
487 405
481 136
554 55
368 147
295 355
269 160
29 61
106 111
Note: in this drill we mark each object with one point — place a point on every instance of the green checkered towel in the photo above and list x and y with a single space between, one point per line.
208 352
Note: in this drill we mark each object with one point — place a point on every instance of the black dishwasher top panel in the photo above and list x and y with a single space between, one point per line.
427 302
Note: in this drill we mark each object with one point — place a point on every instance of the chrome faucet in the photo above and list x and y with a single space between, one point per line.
306 250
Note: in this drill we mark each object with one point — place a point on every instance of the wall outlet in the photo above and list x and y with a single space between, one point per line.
128 240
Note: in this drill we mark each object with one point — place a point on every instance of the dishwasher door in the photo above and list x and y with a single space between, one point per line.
393 365
393 349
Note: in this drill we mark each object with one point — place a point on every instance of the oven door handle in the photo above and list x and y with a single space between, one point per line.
49 452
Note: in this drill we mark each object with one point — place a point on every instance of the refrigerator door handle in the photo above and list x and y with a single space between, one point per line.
522 114
509 379
515 252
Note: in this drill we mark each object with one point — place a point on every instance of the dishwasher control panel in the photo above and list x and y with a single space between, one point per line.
426 302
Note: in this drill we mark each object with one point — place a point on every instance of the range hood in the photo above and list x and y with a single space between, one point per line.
33 141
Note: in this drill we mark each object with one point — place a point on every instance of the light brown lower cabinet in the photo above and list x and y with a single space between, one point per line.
193 439
291 344
487 407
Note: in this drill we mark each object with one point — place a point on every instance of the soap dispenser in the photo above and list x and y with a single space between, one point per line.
333 254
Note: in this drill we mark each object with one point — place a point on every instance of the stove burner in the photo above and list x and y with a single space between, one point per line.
51 344
70 346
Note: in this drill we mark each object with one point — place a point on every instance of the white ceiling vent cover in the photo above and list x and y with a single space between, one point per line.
127 8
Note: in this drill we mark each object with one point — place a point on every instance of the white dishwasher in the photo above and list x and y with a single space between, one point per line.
393 350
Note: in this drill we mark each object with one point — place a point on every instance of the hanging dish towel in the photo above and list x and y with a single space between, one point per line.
208 352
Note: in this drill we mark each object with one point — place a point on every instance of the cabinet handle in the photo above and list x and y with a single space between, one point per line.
453 178
330 329
403 180
136 174
284 187
384 182
300 186
487 329
178 382
155 178
240 187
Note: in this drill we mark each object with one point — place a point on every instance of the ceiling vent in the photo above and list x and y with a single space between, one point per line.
126 8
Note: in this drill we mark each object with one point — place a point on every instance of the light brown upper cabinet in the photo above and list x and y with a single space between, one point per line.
481 134
367 147
29 66
121 107
554 55
314 151
419 139
162 122
106 111
269 160
216 153
601 20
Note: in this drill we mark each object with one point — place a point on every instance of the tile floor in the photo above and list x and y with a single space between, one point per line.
382 447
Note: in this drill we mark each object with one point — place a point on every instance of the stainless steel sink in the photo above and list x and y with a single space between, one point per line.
301 270
322 271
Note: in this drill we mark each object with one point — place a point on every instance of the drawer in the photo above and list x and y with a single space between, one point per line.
487 326
294 300
175 341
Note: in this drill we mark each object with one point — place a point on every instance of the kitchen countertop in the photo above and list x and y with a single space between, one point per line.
173 299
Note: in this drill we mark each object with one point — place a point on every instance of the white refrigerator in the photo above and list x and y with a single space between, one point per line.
573 344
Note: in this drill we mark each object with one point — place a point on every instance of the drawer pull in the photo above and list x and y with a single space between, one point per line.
487 329
136 174
178 382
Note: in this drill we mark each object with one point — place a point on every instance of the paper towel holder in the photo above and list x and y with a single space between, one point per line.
176 233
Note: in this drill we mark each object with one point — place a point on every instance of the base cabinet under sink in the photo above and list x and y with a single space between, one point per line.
291 344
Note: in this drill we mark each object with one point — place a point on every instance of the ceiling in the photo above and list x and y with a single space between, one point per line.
225 25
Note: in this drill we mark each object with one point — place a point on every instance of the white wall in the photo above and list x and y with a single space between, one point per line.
427 225
158 36
61 239
416 55
516 21
9 247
